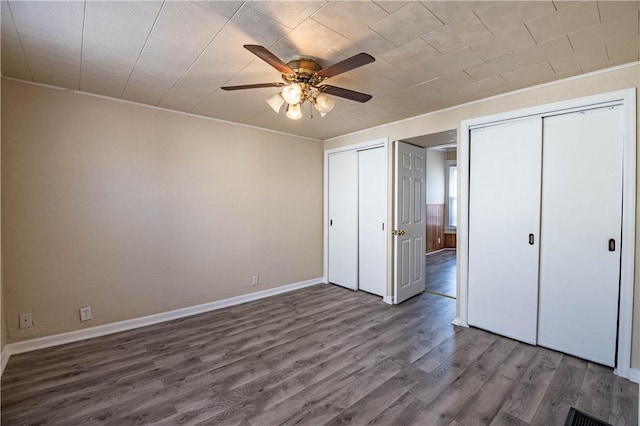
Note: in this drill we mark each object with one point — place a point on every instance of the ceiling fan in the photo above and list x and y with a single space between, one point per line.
302 80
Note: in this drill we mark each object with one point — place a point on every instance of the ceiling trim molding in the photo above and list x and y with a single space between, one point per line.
188 114
48 86
501 95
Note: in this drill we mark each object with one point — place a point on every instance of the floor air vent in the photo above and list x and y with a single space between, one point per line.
578 418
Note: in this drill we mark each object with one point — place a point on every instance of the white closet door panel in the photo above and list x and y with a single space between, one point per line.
372 199
343 219
581 212
504 209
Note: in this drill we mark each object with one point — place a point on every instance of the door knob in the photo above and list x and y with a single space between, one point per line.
398 232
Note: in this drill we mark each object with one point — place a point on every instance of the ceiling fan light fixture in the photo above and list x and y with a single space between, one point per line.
276 102
294 112
292 94
324 103
302 81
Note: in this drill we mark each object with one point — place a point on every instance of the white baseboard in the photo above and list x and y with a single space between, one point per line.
456 321
116 327
4 358
628 373
438 251
388 300
633 375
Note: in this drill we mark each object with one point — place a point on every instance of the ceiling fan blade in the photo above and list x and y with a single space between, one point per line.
347 65
264 54
252 86
345 93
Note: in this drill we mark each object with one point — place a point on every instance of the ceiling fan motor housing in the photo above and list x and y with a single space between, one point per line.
306 70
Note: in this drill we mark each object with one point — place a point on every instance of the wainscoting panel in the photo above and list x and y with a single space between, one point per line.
449 240
435 227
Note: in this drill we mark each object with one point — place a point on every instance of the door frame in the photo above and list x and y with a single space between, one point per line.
376 143
625 98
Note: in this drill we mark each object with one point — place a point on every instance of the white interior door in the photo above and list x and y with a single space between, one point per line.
504 220
581 213
409 221
372 200
343 219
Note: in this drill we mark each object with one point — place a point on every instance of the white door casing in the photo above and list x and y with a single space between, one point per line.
581 213
504 206
343 219
409 221
372 206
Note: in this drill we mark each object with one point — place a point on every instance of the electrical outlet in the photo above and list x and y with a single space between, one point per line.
85 313
254 279
438 240
25 321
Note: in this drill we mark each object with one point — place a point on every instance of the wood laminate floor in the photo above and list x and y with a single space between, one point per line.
440 274
321 355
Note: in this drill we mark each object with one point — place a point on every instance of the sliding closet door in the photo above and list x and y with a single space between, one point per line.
343 219
581 228
372 199
504 220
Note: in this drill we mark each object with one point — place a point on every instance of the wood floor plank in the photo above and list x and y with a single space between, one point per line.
455 398
450 369
440 272
235 373
624 403
485 404
442 410
374 403
318 355
596 393
240 385
496 356
292 362
528 393
562 392
406 410
322 408
504 419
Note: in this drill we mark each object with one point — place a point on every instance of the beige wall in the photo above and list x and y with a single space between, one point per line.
444 120
135 211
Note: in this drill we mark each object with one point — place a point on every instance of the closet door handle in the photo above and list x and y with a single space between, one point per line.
531 239
612 245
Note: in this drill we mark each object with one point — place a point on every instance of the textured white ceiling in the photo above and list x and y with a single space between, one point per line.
429 55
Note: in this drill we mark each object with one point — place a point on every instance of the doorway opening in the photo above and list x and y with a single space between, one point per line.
441 211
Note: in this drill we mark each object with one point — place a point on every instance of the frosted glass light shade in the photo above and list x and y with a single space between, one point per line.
292 93
324 103
276 102
294 112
